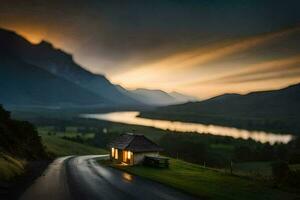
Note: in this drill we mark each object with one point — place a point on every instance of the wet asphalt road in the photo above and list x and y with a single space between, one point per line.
81 178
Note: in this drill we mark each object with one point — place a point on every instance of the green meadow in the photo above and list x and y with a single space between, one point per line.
57 146
208 183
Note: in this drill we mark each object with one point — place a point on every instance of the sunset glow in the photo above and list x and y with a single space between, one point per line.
210 64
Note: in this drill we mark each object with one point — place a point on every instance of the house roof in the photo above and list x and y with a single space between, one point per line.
134 143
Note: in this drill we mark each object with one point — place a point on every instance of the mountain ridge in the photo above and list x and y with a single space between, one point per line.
61 64
265 110
18 83
156 97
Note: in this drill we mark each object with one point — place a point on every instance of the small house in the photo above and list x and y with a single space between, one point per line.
132 149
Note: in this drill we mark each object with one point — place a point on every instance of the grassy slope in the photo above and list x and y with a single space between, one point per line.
253 169
61 147
208 183
10 167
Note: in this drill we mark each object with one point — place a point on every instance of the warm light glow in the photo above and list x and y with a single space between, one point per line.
176 71
34 39
198 70
112 152
127 177
125 156
29 32
129 155
116 154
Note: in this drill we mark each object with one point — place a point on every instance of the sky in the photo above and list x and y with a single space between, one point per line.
197 47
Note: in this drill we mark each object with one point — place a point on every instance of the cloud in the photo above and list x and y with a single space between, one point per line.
199 56
165 44
261 69
181 67
269 76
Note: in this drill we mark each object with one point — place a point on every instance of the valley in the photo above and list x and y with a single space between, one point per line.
164 100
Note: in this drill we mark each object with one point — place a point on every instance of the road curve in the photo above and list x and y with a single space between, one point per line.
51 185
80 177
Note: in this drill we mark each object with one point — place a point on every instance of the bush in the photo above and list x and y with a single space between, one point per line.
19 138
185 147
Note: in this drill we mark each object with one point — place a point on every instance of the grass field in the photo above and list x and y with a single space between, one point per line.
10 167
253 169
57 146
69 132
208 183
60 147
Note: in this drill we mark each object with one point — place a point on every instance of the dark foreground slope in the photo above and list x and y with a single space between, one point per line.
19 138
276 110
22 156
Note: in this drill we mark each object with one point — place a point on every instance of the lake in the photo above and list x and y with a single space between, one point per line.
132 118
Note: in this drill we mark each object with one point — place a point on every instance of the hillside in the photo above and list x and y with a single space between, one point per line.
266 110
19 143
153 97
62 66
22 84
65 71
159 97
182 98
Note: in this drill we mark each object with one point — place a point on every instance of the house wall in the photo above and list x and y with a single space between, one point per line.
138 158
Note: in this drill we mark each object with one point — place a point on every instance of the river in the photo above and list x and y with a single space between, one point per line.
132 118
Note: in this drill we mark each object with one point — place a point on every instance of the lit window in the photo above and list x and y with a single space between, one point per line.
116 154
112 152
129 155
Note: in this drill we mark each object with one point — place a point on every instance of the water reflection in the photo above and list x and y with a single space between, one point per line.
131 118
127 177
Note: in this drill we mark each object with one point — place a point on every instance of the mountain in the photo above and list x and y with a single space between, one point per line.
156 97
152 97
22 84
62 65
59 71
182 98
276 109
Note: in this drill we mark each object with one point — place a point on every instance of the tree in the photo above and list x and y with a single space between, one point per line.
19 138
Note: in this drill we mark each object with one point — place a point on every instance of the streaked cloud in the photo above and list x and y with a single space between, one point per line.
262 69
170 45
181 70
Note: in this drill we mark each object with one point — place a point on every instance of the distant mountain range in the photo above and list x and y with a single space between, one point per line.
277 110
41 75
157 97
